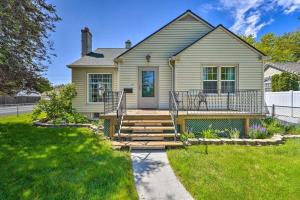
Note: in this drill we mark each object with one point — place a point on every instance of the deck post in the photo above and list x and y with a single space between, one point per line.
112 127
246 126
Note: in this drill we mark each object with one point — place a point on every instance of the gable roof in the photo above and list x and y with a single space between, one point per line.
188 12
229 32
292 67
100 57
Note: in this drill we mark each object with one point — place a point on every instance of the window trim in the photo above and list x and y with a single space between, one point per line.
87 87
219 75
210 66
235 78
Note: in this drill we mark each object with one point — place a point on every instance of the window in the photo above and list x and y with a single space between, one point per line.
210 80
227 79
95 81
217 79
96 116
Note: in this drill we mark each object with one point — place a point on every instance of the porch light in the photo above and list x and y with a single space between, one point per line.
148 57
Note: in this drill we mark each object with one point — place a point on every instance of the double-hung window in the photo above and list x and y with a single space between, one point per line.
95 82
210 80
219 79
227 79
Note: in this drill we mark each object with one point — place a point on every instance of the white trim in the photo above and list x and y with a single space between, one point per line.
87 88
219 74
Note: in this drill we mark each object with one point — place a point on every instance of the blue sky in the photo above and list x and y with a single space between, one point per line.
112 22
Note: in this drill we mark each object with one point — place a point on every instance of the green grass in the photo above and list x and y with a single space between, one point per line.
62 163
239 172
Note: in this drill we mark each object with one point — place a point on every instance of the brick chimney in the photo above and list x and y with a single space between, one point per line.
86 41
128 44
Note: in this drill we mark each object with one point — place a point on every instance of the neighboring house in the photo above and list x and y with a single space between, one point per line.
198 62
271 69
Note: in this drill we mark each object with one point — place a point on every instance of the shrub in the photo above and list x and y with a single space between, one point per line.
292 129
209 133
186 136
273 125
234 133
59 107
285 82
258 132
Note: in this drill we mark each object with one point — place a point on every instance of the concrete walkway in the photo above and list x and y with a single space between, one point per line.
154 177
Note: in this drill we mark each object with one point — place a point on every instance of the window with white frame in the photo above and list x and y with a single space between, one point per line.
219 78
210 79
96 81
227 79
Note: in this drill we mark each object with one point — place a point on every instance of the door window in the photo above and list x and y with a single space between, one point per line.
148 83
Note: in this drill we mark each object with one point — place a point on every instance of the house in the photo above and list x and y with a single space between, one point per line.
203 74
271 69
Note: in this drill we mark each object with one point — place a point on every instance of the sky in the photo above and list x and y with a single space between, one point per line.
112 22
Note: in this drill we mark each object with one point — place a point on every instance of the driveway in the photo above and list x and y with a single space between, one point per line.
12 110
154 177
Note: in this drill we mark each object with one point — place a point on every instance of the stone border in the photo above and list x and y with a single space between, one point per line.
275 140
90 126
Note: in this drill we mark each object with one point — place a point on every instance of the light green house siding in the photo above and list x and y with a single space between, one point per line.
161 46
79 78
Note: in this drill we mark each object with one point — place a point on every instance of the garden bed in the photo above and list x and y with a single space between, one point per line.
51 125
275 140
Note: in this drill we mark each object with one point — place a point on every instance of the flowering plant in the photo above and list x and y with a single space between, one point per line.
258 132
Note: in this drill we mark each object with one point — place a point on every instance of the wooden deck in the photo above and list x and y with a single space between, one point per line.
146 123
148 112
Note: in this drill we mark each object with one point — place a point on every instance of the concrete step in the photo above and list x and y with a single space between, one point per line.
147 144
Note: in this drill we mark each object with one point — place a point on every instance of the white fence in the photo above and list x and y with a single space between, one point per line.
285 104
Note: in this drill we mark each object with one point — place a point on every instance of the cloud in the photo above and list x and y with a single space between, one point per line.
250 16
289 6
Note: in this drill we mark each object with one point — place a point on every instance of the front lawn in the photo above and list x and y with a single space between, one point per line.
239 172
64 163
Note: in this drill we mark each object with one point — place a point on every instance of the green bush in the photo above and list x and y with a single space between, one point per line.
186 136
59 107
292 129
285 82
209 133
273 125
234 133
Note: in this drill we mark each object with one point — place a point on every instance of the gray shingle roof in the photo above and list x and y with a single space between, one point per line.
292 67
99 57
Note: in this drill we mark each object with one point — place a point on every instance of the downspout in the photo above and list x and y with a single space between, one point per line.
173 73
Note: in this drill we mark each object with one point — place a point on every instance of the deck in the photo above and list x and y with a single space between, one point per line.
204 113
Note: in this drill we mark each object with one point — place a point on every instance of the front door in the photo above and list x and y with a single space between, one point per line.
148 87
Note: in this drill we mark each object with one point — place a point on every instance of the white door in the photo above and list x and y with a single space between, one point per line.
148 87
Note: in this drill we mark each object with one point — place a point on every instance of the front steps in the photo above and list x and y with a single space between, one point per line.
147 133
147 144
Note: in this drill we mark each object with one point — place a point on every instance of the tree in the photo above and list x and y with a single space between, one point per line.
285 82
43 85
285 48
25 48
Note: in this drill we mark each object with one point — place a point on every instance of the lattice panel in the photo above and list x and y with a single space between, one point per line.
198 125
106 125
254 121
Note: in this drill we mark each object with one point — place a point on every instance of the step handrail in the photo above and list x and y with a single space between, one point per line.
121 111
